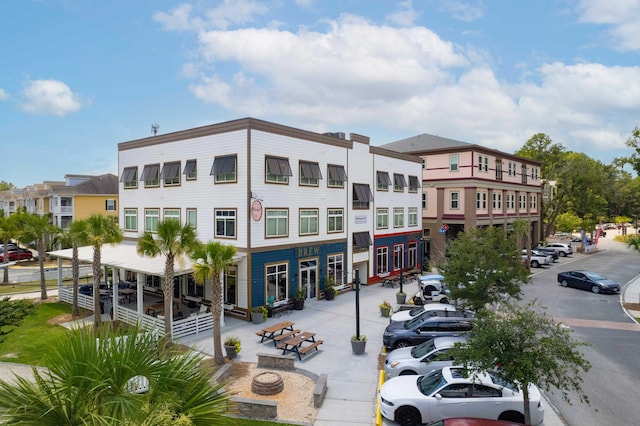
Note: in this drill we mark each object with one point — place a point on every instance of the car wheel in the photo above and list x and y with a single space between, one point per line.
562 254
535 264
408 416
564 283
512 416
401 344
408 373
595 289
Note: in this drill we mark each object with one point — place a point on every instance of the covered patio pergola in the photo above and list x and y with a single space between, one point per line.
124 260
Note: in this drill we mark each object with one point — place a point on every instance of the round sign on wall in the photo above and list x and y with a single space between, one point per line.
256 210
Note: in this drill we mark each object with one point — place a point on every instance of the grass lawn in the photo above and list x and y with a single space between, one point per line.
28 343
26 287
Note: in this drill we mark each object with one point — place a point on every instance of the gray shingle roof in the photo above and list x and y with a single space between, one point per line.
424 142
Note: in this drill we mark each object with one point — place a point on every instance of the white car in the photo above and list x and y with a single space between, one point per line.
447 393
421 359
562 249
537 259
408 314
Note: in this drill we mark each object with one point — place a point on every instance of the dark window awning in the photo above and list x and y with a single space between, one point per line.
170 170
278 166
383 179
337 173
310 170
129 174
362 193
150 172
190 167
399 180
223 165
414 183
361 240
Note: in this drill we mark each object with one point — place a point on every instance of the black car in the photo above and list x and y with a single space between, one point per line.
588 280
423 328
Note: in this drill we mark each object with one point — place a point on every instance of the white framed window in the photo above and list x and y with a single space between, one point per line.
225 169
170 174
413 216
191 169
498 169
335 220
192 218
522 202
413 255
524 174
512 168
335 268
225 223
424 200
497 201
277 222
398 257
309 173
382 260
336 176
382 218
130 219
511 201
382 181
151 219
110 205
454 162
129 177
480 158
398 217
399 182
454 200
308 221
277 170
276 279
478 200
486 164
533 202
151 175
424 163
172 214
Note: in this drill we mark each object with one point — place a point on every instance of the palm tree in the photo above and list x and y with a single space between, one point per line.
123 378
173 241
73 237
9 230
210 261
97 231
37 229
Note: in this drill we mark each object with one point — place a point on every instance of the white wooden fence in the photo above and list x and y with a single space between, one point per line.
196 323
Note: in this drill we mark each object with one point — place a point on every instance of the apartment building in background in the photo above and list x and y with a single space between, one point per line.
466 185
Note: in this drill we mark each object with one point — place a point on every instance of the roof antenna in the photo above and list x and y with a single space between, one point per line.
154 128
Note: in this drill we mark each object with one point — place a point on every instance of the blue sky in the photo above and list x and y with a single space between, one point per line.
80 76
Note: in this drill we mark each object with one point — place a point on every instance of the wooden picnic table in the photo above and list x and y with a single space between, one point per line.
129 294
294 344
275 330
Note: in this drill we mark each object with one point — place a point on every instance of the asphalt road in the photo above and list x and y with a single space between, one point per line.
612 383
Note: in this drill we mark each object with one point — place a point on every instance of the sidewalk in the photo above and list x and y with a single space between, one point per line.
351 397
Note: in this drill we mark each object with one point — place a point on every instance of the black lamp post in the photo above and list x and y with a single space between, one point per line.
421 254
357 282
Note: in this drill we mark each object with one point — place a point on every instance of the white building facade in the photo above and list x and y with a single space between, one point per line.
299 206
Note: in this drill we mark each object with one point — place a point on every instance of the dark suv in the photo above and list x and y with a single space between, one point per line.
421 329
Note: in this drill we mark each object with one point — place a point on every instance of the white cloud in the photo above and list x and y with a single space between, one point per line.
463 11
3 95
622 17
405 16
228 13
179 19
49 97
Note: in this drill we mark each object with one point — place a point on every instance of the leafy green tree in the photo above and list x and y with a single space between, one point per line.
12 312
633 241
4 186
173 241
634 159
121 378
527 347
99 230
210 260
567 222
73 237
37 230
484 267
9 230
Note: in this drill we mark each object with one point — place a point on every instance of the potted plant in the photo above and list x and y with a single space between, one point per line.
401 297
232 346
329 291
385 308
298 301
358 344
270 301
258 314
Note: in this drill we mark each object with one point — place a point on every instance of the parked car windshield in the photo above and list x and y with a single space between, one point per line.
594 276
432 382
423 348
